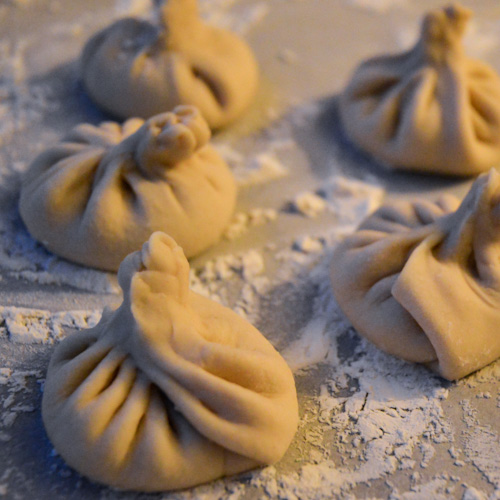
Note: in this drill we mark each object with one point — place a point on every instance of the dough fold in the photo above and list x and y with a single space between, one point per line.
136 68
431 109
99 194
170 390
421 280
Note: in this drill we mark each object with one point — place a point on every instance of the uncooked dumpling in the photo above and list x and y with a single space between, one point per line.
422 280
134 68
431 109
171 389
100 193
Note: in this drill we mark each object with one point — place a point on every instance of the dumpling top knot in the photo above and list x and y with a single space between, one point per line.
443 30
170 138
161 264
177 19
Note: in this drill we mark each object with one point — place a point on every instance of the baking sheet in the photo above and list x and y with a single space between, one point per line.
371 426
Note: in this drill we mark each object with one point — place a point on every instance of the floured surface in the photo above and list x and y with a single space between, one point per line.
371 426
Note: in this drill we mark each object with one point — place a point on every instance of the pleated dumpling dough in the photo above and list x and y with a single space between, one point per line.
100 193
432 109
422 280
134 68
170 390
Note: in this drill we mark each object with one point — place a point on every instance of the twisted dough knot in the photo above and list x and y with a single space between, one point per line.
169 138
177 19
443 30
161 263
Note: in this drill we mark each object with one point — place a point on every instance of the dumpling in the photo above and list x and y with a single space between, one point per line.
432 109
170 390
100 193
422 280
135 68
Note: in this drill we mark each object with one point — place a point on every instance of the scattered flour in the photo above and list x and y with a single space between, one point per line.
308 244
21 257
34 326
482 445
309 204
17 390
366 417
349 199
21 103
257 169
369 418
242 222
473 494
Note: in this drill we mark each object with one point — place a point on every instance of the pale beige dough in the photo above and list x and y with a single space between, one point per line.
431 109
100 193
421 280
134 68
171 389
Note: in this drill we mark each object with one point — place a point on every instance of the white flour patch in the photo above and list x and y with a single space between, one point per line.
22 257
437 489
21 103
242 222
17 390
257 169
309 204
348 199
266 162
473 494
35 326
351 199
482 445
313 346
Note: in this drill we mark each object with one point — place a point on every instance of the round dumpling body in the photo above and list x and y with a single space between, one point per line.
171 389
134 68
102 191
421 280
431 109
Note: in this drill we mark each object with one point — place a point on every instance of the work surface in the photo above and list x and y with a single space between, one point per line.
371 426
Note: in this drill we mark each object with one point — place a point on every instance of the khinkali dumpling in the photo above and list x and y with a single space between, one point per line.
431 109
135 68
422 280
100 193
171 389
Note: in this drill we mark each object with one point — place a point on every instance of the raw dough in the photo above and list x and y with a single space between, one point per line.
101 192
171 389
422 280
431 109
134 68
